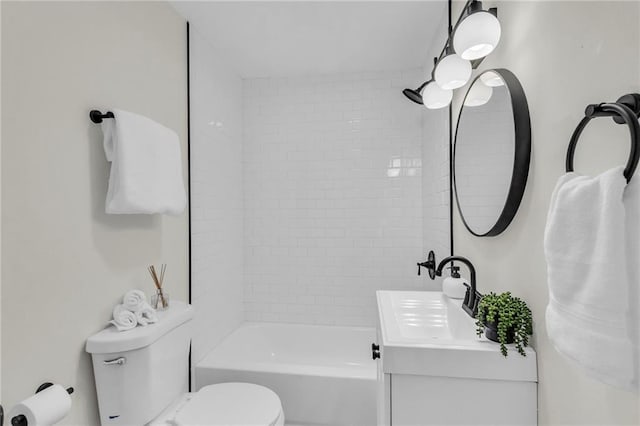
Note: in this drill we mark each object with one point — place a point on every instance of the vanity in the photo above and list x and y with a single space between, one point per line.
434 370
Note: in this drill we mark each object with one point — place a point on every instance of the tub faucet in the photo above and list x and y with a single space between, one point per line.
472 296
430 264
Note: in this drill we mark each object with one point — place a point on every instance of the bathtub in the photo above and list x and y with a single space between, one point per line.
324 375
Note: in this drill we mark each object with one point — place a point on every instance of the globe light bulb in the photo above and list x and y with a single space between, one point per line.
492 79
477 35
479 94
452 72
435 97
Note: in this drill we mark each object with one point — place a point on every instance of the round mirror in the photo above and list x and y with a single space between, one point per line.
491 152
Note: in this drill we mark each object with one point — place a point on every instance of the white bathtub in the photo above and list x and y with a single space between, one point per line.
324 375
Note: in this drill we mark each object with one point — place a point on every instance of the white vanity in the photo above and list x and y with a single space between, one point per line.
434 370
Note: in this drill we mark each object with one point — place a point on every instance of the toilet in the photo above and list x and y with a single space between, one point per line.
142 379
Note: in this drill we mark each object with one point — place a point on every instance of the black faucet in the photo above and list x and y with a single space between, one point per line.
472 296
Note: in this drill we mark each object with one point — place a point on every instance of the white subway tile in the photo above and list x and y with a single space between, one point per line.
319 204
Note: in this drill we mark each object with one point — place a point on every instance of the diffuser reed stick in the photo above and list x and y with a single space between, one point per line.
158 281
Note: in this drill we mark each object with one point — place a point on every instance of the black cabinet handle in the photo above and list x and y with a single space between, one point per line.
375 351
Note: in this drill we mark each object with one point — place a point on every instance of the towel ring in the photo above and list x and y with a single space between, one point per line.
625 110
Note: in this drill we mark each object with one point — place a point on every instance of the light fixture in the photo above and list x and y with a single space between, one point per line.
475 35
478 33
491 79
479 94
452 71
435 97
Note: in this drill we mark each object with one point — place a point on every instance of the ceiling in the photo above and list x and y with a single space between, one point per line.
273 39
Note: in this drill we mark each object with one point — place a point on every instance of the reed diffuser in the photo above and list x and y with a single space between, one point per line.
160 300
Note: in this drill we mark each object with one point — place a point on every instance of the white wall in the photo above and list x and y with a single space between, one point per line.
332 195
566 55
65 262
216 176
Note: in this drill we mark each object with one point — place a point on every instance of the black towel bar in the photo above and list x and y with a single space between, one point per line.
624 110
96 116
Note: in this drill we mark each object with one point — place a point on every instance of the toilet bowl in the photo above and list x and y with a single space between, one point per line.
225 404
142 379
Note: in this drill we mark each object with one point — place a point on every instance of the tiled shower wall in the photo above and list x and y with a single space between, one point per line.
332 195
435 186
435 168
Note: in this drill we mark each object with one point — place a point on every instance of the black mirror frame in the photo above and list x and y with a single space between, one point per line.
522 153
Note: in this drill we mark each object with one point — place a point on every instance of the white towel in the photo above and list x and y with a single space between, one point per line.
631 200
134 300
123 318
146 315
146 166
585 249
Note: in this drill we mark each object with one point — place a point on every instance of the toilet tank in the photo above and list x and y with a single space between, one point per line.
139 372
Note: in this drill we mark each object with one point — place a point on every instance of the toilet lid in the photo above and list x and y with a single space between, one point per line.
231 404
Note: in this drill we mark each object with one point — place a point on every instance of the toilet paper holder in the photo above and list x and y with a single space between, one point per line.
21 420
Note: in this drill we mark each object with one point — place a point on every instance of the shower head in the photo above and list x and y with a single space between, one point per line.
414 95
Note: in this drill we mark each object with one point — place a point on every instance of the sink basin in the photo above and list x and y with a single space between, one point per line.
427 333
424 317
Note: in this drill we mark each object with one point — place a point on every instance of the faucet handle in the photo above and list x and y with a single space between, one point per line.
431 260
476 304
430 264
467 293
471 301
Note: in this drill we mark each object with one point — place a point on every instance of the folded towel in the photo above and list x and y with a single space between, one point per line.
123 319
146 166
588 280
146 315
134 300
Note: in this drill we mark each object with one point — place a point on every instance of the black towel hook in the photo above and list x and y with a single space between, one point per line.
624 110
96 116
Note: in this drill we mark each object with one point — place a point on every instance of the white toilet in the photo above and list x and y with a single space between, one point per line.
142 378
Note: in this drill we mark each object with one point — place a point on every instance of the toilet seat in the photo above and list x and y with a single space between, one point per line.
231 404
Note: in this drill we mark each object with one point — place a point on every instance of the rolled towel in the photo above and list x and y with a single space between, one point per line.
146 315
123 319
134 300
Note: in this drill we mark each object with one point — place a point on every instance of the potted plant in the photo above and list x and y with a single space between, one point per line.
505 319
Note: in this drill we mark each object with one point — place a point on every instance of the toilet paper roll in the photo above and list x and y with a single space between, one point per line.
45 408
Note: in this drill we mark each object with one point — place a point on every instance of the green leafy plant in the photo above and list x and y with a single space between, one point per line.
510 316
